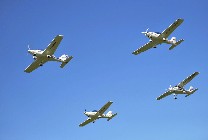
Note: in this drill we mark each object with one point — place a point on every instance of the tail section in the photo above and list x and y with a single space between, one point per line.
110 115
173 40
191 88
64 59
192 91
174 43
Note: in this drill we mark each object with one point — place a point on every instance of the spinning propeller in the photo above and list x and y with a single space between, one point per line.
145 32
28 46
169 87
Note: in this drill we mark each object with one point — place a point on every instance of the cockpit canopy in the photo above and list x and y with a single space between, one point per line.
158 32
94 111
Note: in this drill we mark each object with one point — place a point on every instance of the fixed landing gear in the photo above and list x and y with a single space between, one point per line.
175 96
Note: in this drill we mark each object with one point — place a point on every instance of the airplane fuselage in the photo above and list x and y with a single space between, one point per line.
179 90
38 53
155 36
93 114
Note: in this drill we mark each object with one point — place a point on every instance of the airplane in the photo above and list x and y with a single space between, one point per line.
94 115
159 38
179 89
46 55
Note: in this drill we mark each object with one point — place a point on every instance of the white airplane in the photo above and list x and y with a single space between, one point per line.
94 115
159 38
42 57
178 89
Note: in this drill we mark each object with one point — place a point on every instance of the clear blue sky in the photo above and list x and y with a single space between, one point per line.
48 103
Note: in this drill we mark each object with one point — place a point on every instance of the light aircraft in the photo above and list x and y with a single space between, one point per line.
179 89
159 38
46 55
94 115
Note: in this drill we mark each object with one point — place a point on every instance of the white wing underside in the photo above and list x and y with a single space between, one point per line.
171 28
35 65
188 79
147 46
167 93
50 50
89 120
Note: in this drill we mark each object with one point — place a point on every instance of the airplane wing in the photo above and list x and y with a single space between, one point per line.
50 50
105 107
171 28
89 120
145 47
167 93
188 79
34 65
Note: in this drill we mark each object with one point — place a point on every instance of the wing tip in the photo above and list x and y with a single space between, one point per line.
110 102
135 52
180 19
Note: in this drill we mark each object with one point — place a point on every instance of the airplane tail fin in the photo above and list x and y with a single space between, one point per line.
65 59
176 43
110 115
173 40
192 90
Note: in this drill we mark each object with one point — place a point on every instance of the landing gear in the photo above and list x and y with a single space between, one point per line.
175 96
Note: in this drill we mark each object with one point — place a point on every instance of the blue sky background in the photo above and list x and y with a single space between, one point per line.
48 103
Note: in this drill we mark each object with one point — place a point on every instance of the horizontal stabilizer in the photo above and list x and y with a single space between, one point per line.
112 117
176 44
192 92
66 61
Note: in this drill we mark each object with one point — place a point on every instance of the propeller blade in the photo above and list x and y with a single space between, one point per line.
28 47
147 30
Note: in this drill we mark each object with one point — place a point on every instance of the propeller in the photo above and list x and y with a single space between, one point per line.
28 46
145 32
85 110
169 87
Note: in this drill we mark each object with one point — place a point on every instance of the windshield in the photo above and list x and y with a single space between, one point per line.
158 32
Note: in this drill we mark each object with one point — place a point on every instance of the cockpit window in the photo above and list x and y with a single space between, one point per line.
94 111
158 32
